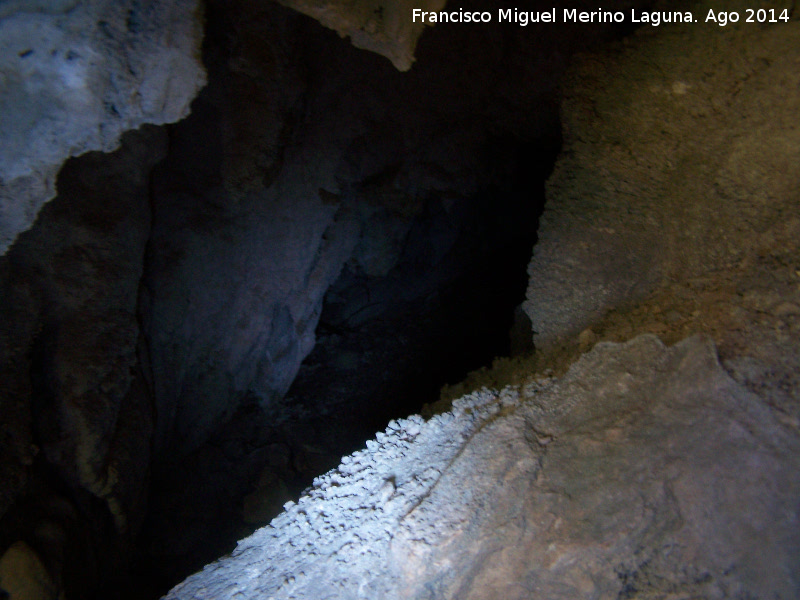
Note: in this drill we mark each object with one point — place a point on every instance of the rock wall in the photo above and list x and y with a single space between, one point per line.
307 170
74 76
77 413
382 27
643 471
351 168
676 165
145 309
152 320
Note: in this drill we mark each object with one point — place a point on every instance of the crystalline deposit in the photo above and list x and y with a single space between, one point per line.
645 469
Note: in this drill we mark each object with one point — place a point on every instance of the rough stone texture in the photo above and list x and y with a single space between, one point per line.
303 156
77 417
285 174
23 576
383 27
680 160
643 472
74 76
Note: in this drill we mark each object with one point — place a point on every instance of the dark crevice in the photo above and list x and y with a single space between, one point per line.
444 164
389 365
381 357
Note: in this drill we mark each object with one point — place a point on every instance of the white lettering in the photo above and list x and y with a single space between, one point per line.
658 18
595 16
525 18
722 18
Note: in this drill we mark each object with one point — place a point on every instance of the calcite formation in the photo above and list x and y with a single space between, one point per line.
154 317
669 170
644 470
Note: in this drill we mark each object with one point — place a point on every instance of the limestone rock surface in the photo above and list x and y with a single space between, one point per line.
383 27
154 309
77 415
680 161
286 177
74 76
645 471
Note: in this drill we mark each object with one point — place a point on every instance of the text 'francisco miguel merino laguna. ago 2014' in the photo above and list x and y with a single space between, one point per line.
572 15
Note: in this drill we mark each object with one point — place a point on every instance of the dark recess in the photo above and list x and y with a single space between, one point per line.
382 351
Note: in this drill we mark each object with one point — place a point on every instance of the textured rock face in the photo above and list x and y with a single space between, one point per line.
308 168
382 27
285 175
676 164
76 75
304 155
77 417
643 471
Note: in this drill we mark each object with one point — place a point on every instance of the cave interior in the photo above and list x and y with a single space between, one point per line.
207 318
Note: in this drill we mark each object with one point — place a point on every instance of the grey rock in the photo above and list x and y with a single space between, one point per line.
253 224
73 390
74 76
645 471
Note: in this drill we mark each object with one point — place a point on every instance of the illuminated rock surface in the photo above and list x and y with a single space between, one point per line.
668 171
76 75
319 202
644 471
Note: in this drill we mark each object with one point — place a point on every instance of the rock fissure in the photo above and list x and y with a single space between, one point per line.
207 318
